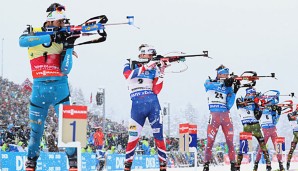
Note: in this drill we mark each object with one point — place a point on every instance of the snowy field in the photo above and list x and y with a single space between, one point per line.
294 167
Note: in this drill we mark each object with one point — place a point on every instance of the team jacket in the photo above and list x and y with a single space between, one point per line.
220 97
269 117
293 120
46 60
143 84
247 112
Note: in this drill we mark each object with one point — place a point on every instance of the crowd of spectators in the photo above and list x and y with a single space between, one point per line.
15 130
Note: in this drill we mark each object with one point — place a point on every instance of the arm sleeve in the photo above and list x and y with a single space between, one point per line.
257 111
66 63
129 73
208 85
157 82
29 41
231 96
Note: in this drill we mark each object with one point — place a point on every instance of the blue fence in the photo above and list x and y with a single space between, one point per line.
116 162
15 161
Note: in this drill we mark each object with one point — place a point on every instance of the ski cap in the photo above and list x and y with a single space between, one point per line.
222 70
250 90
55 7
56 15
56 12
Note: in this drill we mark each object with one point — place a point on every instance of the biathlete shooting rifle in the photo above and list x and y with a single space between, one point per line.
166 60
92 26
251 77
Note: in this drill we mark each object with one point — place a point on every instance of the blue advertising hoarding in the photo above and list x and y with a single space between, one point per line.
15 161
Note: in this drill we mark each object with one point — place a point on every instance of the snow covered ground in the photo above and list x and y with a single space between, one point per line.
247 167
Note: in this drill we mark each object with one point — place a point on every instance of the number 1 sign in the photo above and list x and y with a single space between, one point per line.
184 137
74 124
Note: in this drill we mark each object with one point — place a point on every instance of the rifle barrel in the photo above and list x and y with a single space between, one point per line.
111 24
184 56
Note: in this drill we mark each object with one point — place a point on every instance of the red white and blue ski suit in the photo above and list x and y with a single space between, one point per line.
144 85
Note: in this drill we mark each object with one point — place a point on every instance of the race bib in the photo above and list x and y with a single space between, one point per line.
216 98
266 120
246 115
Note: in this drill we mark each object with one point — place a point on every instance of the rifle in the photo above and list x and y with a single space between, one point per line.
169 59
84 29
287 106
251 78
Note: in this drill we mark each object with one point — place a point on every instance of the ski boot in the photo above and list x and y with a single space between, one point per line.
268 168
31 164
163 166
237 168
234 167
206 166
72 160
256 166
288 165
281 167
127 166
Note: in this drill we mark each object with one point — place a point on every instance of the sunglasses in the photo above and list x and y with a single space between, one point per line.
152 51
58 8
63 21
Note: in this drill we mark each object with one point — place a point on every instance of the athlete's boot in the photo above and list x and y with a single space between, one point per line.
268 167
127 166
206 166
256 166
73 165
281 167
163 166
288 165
31 164
234 167
237 168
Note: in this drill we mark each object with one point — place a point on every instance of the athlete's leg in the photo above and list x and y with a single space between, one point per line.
273 138
257 133
266 134
279 156
293 147
38 111
157 128
138 116
213 125
227 127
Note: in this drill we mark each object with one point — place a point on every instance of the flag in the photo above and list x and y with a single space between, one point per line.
91 98
27 85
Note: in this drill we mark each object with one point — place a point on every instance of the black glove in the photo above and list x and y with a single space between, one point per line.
70 40
229 82
59 36
257 114
239 103
236 86
278 110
